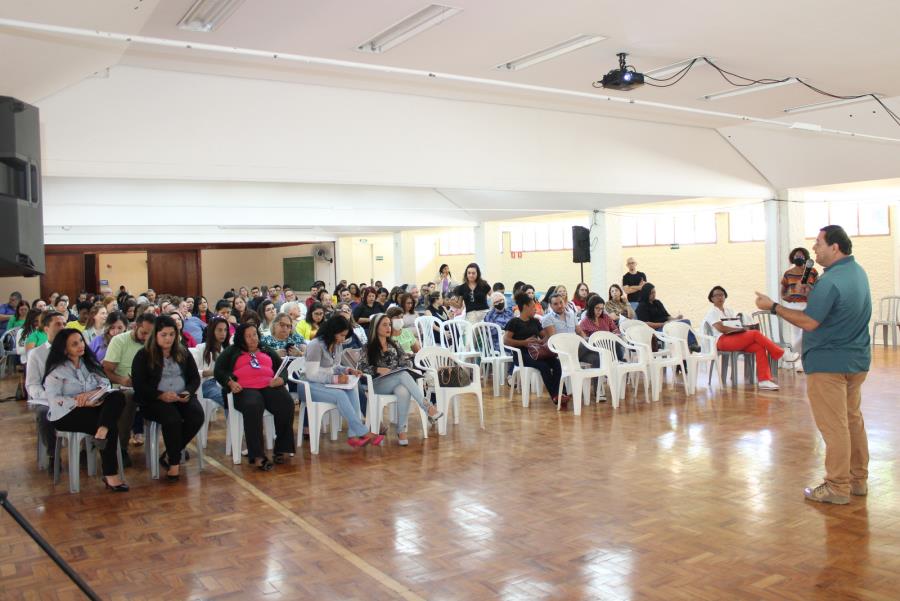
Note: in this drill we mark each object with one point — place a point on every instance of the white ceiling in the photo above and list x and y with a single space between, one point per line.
844 50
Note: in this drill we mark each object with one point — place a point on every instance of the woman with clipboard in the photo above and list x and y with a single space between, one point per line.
81 401
731 335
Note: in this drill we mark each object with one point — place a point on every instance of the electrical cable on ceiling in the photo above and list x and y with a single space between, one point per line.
727 75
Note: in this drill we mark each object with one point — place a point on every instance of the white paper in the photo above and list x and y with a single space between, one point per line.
350 385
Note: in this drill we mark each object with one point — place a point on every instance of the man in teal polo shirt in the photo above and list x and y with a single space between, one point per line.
836 358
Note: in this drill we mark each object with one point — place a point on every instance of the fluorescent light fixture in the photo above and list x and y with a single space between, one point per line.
674 68
265 226
749 89
576 43
207 15
406 28
828 104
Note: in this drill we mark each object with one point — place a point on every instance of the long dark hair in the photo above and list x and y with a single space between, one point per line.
57 355
111 320
154 351
211 343
480 282
331 328
592 302
28 326
373 346
312 309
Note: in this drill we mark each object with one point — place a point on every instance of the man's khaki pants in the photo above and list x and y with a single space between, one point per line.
835 399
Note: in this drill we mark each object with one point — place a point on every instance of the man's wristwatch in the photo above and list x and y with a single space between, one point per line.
774 308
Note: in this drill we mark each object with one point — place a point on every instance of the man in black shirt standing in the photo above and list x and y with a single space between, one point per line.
633 281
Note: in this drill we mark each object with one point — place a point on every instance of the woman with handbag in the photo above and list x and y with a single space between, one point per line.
525 332
380 357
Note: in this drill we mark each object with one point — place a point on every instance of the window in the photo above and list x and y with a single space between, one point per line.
857 218
527 236
458 242
747 224
663 230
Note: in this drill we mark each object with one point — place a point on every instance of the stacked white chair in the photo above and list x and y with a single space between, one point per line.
638 365
431 360
566 346
456 335
425 329
494 355
888 318
678 331
657 361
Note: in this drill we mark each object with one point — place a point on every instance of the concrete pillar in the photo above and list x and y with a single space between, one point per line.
895 239
784 231
487 250
606 252
404 259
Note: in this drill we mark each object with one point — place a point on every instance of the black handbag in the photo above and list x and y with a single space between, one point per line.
454 376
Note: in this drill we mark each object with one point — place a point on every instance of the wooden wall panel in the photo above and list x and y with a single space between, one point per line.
174 272
65 274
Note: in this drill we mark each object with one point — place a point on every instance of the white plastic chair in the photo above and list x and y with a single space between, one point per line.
566 346
9 339
210 407
657 361
726 358
73 442
708 355
456 335
376 404
235 437
431 359
425 331
152 432
524 378
488 339
888 317
316 411
639 365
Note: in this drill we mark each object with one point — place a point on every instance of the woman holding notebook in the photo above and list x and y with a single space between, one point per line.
382 356
731 335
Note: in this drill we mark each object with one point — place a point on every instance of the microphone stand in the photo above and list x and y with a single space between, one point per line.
48 549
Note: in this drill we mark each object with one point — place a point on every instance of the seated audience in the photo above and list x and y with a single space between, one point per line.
617 305
201 309
165 381
382 356
186 339
325 299
129 308
267 313
295 310
525 330
51 323
652 312
315 317
731 335
354 295
367 308
381 298
84 313
357 338
596 319
283 339
455 306
247 370
499 314
117 366
8 311
114 325
74 384
538 308
110 304
323 366
33 334
17 320
95 323
238 306
404 338
437 310
581 295
218 337
560 320
407 305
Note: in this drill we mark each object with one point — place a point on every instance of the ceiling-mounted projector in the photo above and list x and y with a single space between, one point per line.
623 78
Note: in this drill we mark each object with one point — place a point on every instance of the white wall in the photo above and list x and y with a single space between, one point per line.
155 124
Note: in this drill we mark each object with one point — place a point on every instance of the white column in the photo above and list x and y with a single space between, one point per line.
895 238
404 259
487 250
784 231
606 252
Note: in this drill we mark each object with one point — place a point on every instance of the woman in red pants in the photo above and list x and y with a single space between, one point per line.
731 336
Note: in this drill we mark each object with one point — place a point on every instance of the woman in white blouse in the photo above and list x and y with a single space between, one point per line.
731 335
81 401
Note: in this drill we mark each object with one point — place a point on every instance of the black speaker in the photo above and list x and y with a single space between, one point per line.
21 206
581 244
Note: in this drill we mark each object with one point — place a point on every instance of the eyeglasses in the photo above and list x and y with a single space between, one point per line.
254 362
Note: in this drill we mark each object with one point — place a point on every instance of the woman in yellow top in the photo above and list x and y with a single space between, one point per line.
310 326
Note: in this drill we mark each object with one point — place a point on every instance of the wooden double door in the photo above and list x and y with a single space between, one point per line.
168 271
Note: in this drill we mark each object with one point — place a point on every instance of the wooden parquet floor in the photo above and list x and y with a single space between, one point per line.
686 499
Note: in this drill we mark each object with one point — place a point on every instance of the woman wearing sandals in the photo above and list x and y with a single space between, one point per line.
73 380
381 356
166 380
247 369
323 367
